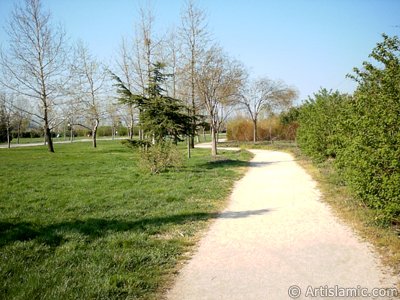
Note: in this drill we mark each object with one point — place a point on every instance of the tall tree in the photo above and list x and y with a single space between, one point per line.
162 116
34 65
218 80
125 66
145 52
91 78
114 117
195 36
265 95
6 115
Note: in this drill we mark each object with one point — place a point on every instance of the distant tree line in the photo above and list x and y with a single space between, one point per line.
62 87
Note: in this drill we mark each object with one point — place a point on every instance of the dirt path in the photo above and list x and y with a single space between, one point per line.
274 234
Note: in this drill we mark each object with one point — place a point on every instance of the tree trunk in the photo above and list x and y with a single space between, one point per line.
131 131
47 132
48 138
255 133
19 130
193 63
131 122
188 147
214 151
192 138
94 133
8 137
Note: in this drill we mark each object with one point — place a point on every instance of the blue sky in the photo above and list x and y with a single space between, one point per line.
307 43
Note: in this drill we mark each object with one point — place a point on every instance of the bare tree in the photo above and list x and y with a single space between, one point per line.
114 117
171 57
125 66
265 95
21 119
6 115
218 80
195 36
91 78
145 52
34 64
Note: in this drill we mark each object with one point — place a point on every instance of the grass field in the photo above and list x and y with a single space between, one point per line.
84 223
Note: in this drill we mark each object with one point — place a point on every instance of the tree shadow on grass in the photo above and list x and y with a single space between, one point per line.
53 234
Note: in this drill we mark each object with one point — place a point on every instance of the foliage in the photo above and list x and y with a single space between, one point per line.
136 144
161 115
362 132
321 119
241 129
371 159
102 230
290 116
159 157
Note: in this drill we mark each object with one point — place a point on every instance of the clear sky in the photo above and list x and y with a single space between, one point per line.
307 43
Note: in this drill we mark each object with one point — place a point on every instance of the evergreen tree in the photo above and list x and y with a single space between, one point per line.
161 116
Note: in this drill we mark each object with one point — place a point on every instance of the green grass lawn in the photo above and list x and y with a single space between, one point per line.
84 223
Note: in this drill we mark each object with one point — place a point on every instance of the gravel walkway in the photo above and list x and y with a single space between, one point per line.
275 234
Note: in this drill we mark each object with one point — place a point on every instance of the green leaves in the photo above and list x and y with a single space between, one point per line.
160 115
320 134
362 132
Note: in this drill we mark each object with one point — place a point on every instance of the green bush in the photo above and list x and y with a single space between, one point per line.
370 161
321 120
160 157
362 133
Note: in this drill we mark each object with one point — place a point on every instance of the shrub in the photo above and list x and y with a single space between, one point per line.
241 129
370 162
362 132
321 120
159 157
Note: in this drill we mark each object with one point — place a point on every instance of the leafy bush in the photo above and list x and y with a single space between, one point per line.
370 161
159 157
321 120
362 133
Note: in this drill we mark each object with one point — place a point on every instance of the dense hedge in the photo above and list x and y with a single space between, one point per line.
322 119
362 132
